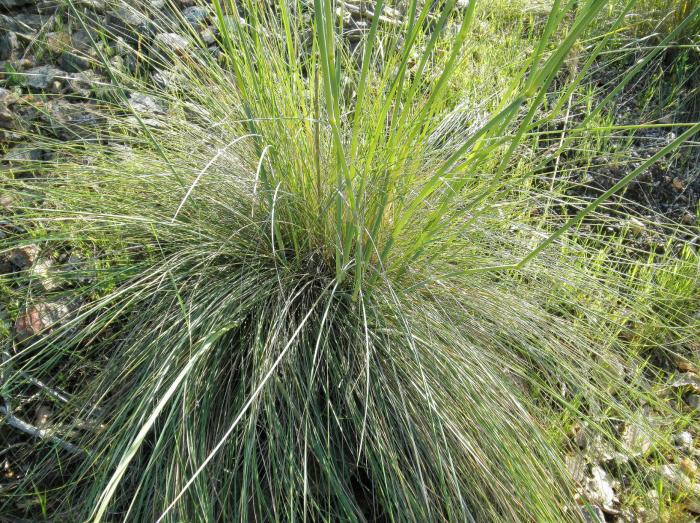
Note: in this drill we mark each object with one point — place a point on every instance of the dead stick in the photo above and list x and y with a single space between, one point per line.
36 432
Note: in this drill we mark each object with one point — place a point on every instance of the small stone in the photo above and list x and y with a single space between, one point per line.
693 401
688 467
42 271
686 379
8 45
636 440
23 258
599 489
173 42
683 440
195 15
40 318
42 77
636 227
592 514
143 103
42 416
208 35
682 485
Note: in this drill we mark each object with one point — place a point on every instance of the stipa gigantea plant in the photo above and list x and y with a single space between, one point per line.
317 294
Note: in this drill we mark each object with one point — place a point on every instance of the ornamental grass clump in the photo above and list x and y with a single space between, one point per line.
316 287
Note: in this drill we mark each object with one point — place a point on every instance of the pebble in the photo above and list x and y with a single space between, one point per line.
129 24
42 271
39 318
43 77
71 121
599 489
683 440
22 258
195 15
8 45
143 103
83 84
173 41
592 514
686 379
694 401
42 414
680 484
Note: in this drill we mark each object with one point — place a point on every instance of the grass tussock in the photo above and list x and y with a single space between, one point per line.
318 288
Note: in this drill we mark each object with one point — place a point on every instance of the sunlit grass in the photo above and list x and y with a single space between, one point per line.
320 290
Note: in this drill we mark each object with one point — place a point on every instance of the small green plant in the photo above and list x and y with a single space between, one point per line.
321 294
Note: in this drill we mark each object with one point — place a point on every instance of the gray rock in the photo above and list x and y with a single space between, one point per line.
195 15
173 42
208 35
683 440
682 485
44 273
128 23
8 119
636 437
83 84
75 121
694 401
686 379
73 63
43 77
592 514
8 45
143 103
599 489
